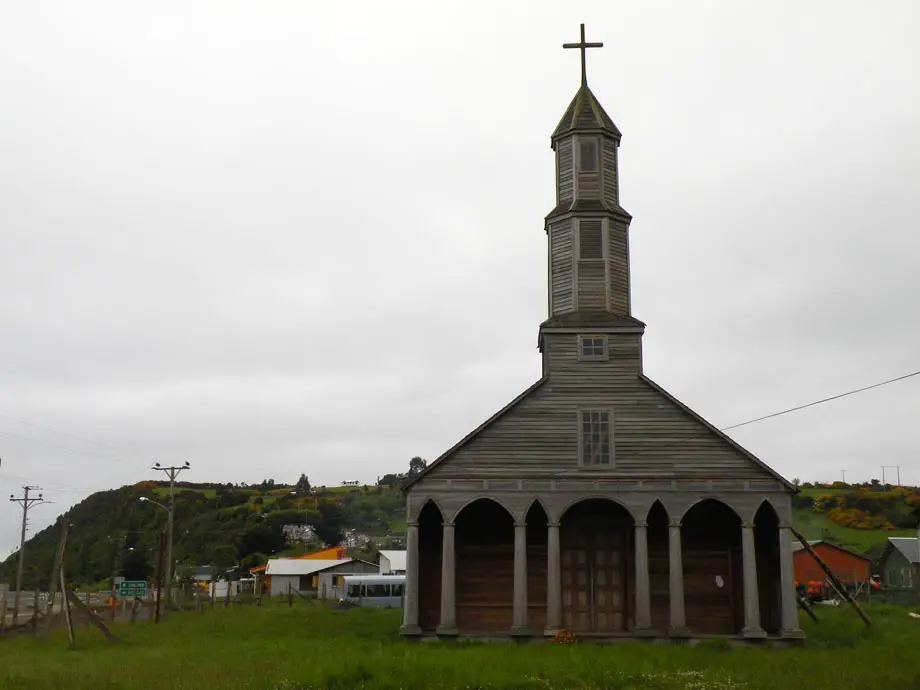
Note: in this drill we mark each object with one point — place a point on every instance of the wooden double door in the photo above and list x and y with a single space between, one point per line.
595 582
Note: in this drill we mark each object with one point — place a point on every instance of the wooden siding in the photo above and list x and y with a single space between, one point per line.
565 171
654 437
589 186
592 292
846 566
618 267
561 267
609 169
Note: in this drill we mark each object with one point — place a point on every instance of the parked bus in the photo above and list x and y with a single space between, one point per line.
382 591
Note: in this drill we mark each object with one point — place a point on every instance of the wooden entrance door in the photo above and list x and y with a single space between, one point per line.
594 577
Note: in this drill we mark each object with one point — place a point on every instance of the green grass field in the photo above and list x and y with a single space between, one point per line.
308 646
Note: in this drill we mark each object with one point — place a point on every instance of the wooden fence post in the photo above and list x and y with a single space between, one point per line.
35 613
4 596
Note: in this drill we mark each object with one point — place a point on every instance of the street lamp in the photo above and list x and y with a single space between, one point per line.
150 500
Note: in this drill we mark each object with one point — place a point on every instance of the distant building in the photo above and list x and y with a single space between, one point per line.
332 553
392 563
296 533
849 567
313 578
899 564
355 540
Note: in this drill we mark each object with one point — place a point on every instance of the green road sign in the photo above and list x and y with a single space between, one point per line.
132 588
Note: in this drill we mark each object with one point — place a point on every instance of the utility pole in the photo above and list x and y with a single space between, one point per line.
844 473
172 472
26 502
897 469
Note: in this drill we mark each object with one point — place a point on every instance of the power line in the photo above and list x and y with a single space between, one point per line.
824 400
781 412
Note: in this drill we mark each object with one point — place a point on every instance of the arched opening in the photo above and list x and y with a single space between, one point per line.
766 549
430 540
536 567
596 539
713 585
659 566
484 538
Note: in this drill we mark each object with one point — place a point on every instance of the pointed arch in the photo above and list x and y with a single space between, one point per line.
480 498
766 553
588 498
710 534
430 542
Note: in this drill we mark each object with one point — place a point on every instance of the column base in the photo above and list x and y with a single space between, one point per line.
792 634
644 632
754 633
410 630
679 632
520 631
447 631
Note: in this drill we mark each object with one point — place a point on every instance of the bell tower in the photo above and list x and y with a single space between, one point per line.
587 230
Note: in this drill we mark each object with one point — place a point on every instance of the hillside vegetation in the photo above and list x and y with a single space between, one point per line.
225 525
858 517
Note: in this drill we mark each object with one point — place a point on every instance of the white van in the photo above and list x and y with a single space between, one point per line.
382 591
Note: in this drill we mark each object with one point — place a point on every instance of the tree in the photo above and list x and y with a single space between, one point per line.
303 485
416 465
331 524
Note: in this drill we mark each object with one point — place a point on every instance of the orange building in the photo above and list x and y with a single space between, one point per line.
849 567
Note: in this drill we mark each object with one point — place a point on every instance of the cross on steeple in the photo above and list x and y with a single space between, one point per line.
582 45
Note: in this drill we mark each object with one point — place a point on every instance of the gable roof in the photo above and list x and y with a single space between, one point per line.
585 113
797 546
737 446
397 559
908 546
301 566
473 434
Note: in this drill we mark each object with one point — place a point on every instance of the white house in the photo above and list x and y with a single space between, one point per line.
392 563
312 577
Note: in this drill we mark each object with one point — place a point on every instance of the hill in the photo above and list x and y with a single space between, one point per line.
226 525
859 517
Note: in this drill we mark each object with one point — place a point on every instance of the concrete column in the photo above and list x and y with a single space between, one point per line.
520 623
553 580
643 589
751 594
790 610
678 627
410 594
448 622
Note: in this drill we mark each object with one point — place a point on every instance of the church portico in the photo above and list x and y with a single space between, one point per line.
595 501
639 565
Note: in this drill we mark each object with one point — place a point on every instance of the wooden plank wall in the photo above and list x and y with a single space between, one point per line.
654 437
485 568
562 267
609 161
618 266
565 164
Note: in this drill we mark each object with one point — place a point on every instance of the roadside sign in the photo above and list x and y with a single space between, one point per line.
132 588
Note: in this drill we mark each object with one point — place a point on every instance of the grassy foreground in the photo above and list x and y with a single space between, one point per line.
307 646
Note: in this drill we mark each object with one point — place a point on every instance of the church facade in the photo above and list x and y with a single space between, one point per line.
595 502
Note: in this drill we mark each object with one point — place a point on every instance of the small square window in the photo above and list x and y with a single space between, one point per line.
587 155
592 347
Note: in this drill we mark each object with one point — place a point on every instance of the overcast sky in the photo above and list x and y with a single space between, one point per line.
281 237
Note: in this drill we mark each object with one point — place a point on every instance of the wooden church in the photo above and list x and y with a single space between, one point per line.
595 501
